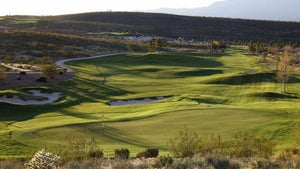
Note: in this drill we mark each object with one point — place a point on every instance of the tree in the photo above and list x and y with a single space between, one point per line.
285 67
275 52
251 48
151 46
2 76
159 43
49 71
46 60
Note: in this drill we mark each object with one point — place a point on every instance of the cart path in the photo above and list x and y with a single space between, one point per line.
61 63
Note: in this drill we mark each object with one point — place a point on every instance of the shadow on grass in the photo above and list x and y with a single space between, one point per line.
117 135
203 72
250 78
244 79
272 96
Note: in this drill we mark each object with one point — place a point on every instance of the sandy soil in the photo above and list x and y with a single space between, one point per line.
29 80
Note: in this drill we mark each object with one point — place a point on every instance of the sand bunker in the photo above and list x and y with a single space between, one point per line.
135 101
49 98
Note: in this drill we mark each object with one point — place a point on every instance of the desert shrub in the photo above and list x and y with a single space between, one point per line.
163 161
2 76
235 164
95 154
288 153
140 164
267 164
9 164
72 165
22 73
41 79
122 153
49 71
85 164
246 145
213 145
218 163
186 144
148 153
122 164
183 163
43 160
79 147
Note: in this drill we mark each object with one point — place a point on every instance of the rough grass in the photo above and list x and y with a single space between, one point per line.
212 93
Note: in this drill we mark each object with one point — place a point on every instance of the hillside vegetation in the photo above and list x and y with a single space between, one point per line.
174 26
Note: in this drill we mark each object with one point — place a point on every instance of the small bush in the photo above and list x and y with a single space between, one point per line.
267 164
72 165
121 164
218 163
95 154
22 73
186 144
246 145
235 164
122 153
9 164
163 161
41 79
148 153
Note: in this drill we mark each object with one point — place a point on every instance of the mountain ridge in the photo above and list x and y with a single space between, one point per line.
275 10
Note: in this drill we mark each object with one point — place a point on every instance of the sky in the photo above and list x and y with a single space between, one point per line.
56 7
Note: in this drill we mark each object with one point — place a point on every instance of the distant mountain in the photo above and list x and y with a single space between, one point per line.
283 10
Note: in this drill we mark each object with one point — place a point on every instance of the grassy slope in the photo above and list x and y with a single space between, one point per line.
213 93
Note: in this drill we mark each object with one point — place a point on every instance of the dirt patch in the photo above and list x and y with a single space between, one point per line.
29 80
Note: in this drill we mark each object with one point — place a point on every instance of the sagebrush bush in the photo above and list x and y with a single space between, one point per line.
122 164
163 161
10 164
148 153
41 79
246 145
95 154
186 144
122 153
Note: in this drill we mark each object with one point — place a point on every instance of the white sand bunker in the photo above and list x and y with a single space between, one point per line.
135 101
44 98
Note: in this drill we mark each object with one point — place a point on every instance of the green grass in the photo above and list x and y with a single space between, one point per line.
212 93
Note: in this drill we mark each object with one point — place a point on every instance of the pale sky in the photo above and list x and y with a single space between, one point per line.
55 7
